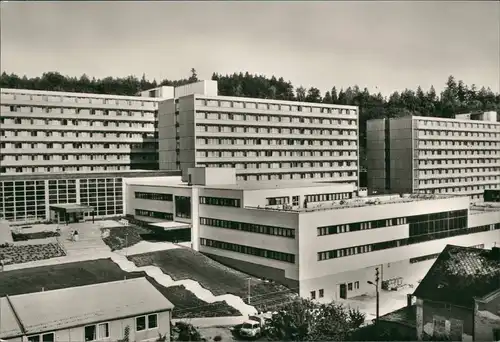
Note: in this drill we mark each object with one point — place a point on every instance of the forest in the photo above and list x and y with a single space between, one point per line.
456 97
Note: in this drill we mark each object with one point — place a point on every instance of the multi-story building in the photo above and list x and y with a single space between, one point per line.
434 155
45 131
316 237
262 139
27 198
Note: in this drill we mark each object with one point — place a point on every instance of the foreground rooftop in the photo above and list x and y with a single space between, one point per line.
65 308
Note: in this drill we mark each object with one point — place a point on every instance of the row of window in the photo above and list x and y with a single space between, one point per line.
357 226
328 197
259 252
344 252
263 153
275 119
435 255
288 107
350 287
76 157
275 142
464 180
280 166
459 163
84 168
75 99
439 133
81 135
461 153
200 129
221 201
154 196
337 176
26 122
248 227
154 214
280 200
435 124
464 172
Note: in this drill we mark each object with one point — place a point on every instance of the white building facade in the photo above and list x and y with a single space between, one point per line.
319 239
434 155
262 139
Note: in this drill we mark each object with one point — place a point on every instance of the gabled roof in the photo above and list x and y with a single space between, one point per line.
77 306
461 274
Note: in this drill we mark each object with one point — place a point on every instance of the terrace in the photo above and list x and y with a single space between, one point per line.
355 203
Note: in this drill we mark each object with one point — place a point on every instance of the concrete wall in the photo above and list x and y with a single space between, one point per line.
375 155
166 135
254 198
187 133
116 330
487 319
453 315
401 155
207 87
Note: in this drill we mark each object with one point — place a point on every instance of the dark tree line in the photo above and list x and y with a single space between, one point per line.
456 97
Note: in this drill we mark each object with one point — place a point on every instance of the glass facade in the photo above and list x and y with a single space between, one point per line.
105 195
23 200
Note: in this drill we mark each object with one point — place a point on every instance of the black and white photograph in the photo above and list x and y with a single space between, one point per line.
225 171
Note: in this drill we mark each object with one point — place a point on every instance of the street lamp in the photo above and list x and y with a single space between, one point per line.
377 292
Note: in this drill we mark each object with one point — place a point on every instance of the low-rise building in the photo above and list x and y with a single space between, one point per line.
318 238
87 313
460 296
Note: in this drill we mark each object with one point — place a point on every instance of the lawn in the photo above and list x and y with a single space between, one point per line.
183 263
100 271
27 253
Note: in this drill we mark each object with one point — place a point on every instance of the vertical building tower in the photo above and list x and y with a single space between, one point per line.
458 156
263 139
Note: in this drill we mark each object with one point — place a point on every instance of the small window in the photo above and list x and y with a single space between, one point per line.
152 321
50 337
349 287
103 330
321 293
356 285
313 294
34 338
140 323
90 333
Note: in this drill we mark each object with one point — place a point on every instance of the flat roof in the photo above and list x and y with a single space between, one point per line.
90 174
358 202
243 185
72 207
77 306
171 225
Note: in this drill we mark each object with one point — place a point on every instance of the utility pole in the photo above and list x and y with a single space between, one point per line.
377 280
249 284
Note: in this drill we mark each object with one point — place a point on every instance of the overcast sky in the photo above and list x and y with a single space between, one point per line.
390 45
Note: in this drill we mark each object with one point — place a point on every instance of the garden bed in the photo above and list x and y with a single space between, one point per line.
27 253
123 237
183 263
33 236
100 271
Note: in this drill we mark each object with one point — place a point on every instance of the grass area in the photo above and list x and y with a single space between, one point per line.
123 237
100 271
27 253
183 263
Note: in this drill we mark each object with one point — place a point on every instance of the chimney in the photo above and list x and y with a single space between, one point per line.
495 253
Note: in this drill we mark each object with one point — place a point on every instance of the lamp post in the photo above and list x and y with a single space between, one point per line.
377 279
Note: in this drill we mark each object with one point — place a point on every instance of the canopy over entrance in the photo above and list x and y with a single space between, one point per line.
170 225
71 212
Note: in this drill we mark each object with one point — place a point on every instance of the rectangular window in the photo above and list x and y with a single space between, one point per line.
155 214
90 333
103 330
349 287
140 323
220 201
248 227
313 294
153 196
321 293
152 321
50 337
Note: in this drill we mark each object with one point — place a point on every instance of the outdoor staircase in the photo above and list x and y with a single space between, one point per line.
85 247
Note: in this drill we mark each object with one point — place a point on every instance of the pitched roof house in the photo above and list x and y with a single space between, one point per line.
87 313
460 295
